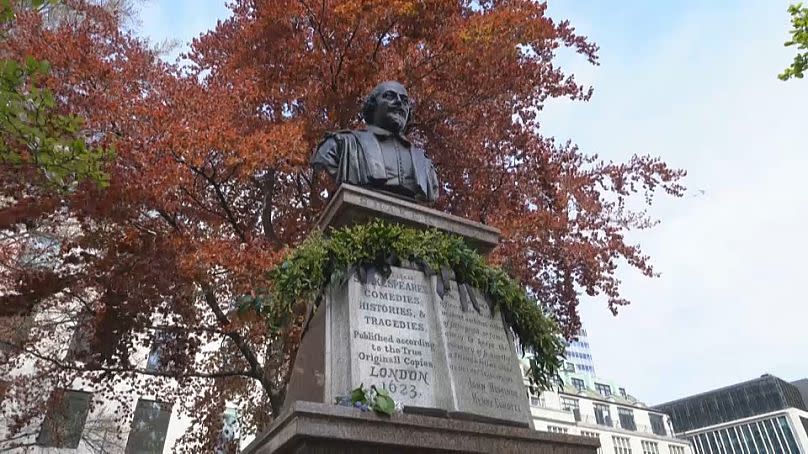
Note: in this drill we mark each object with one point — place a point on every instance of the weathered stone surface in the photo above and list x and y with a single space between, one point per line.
308 379
355 205
308 427
485 377
393 338
434 355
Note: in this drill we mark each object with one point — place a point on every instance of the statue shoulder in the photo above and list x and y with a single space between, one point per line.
333 138
341 137
341 133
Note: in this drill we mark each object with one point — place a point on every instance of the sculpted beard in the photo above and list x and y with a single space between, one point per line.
394 119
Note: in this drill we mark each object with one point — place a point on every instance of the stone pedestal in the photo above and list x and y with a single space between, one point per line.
307 427
431 355
453 367
352 205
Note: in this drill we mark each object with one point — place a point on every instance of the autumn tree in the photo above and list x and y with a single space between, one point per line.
210 185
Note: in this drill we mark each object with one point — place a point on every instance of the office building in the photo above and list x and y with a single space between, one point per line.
766 415
83 420
802 387
594 407
579 355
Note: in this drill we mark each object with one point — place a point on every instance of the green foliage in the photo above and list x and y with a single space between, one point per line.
359 395
32 130
799 38
382 402
377 245
376 399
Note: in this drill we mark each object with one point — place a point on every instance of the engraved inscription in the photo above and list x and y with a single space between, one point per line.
481 360
391 339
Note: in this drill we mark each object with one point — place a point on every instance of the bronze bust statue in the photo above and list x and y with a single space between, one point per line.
379 156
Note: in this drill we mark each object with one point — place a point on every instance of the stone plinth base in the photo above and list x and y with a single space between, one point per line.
307 427
352 205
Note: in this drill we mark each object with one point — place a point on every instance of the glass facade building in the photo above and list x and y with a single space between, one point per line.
578 355
763 395
773 435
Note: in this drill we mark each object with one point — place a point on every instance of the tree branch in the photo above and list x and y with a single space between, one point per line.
268 188
256 371
335 76
316 25
170 374
379 41
223 201
249 355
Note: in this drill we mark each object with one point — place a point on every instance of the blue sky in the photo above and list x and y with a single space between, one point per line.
695 83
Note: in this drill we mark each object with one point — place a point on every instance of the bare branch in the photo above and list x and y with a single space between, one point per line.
238 340
91 368
268 188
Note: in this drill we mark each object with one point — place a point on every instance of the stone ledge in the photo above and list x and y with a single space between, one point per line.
317 427
353 205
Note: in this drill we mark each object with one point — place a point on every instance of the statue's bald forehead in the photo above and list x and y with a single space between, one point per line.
391 85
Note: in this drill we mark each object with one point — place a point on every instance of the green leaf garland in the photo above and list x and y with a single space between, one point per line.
376 246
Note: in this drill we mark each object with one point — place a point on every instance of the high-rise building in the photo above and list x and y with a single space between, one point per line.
766 415
579 355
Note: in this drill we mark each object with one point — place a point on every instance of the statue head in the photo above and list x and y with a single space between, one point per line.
388 107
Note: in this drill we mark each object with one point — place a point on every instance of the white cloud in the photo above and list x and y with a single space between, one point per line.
730 304
181 20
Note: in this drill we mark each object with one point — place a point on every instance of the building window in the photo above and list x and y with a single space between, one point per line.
623 392
735 441
149 427
785 428
228 438
536 400
557 430
603 390
14 333
64 421
746 433
81 342
568 404
164 356
571 405
699 444
767 436
626 416
676 449
578 384
657 424
603 415
649 447
622 445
